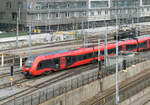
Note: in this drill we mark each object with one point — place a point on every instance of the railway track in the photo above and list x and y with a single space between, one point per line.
147 102
52 44
8 74
42 84
108 96
56 44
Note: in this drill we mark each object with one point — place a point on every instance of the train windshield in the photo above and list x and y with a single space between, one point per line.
29 61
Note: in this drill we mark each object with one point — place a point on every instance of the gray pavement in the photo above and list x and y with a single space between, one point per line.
4 93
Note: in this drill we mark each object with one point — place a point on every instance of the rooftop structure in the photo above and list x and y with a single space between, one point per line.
66 13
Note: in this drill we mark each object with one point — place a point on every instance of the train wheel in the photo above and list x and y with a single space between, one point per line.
47 72
29 76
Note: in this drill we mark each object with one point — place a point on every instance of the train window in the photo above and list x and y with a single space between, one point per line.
90 55
84 57
52 63
94 54
40 66
131 47
80 57
73 58
68 59
143 45
30 61
101 53
56 63
111 51
48 63
120 48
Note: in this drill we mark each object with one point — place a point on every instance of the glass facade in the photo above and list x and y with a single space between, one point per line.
38 17
146 2
60 5
125 3
99 4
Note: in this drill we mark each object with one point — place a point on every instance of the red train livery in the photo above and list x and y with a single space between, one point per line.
63 59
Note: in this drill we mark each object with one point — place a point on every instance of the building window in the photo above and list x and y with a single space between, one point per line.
20 4
99 12
14 16
67 14
38 17
126 11
106 12
76 14
57 15
146 2
2 15
83 4
99 4
68 5
38 5
8 4
48 16
92 13
83 14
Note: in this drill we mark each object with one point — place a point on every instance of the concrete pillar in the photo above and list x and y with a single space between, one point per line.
109 4
141 2
89 5
2 60
20 62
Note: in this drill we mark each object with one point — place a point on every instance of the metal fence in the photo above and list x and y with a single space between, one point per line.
124 93
55 89
111 69
66 85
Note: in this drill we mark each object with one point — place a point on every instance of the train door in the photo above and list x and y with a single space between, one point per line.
62 62
148 43
123 47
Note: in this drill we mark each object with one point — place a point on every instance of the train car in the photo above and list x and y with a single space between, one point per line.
59 60
64 59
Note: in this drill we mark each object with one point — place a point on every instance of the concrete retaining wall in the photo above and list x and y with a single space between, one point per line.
136 97
78 95
131 71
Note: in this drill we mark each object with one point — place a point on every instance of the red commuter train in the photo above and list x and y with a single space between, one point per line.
64 59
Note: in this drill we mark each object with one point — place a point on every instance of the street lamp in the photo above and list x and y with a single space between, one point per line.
117 76
17 28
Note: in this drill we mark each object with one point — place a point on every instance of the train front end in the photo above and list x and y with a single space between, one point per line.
27 67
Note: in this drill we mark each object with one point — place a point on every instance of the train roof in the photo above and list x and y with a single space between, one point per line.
51 53
142 36
47 53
